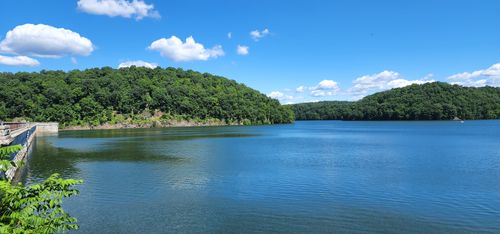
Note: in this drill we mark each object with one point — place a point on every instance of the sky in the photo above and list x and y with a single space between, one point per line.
294 51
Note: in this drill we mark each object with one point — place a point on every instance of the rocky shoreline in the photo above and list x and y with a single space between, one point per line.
156 124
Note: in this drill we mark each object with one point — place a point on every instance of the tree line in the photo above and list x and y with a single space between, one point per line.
431 101
96 96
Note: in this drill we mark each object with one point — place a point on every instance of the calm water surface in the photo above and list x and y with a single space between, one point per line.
314 177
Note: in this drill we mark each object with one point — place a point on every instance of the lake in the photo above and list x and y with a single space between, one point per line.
307 177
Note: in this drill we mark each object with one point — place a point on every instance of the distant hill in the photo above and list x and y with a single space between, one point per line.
430 101
106 95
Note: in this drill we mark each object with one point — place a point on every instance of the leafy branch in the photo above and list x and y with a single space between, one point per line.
36 208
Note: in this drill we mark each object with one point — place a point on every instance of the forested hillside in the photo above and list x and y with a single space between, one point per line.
431 101
103 95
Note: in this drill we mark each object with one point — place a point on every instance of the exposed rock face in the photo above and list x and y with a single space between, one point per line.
154 124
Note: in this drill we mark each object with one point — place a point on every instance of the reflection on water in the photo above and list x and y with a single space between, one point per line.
328 176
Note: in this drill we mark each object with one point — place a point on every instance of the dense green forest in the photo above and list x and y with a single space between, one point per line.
431 101
106 95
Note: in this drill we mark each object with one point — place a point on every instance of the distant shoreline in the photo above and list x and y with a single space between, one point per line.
429 101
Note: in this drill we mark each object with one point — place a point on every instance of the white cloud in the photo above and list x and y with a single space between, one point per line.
494 70
327 84
174 49
361 87
368 84
318 93
465 75
325 88
276 94
229 35
300 89
18 61
479 78
280 96
136 8
242 50
257 35
399 83
322 93
428 76
42 40
376 81
137 63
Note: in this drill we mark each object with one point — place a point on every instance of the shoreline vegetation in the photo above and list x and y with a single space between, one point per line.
134 96
157 120
430 101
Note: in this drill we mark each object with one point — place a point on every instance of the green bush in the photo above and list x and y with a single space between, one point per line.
36 208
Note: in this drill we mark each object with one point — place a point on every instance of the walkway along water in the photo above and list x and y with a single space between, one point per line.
22 134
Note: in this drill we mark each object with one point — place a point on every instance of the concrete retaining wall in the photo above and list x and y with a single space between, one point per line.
24 138
47 127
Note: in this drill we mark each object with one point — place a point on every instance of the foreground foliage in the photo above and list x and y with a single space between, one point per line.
5 152
104 95
431 101
36 208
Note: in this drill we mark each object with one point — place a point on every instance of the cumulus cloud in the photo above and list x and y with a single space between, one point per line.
179 51
280 96
325 88
229 35
368 84
379 81
136 8
300 89
486 77
322 93
327 84
42 40
137 63
276 94
242 50
18 61
257 35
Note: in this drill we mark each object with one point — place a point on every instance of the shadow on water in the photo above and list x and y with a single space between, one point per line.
61 153
177 133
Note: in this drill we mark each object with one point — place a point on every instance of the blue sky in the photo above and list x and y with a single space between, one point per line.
311 50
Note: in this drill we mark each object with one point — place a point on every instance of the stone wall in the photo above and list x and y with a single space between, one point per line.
52 127
25 138
5 137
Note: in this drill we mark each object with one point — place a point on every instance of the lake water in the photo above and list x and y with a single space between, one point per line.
307 177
